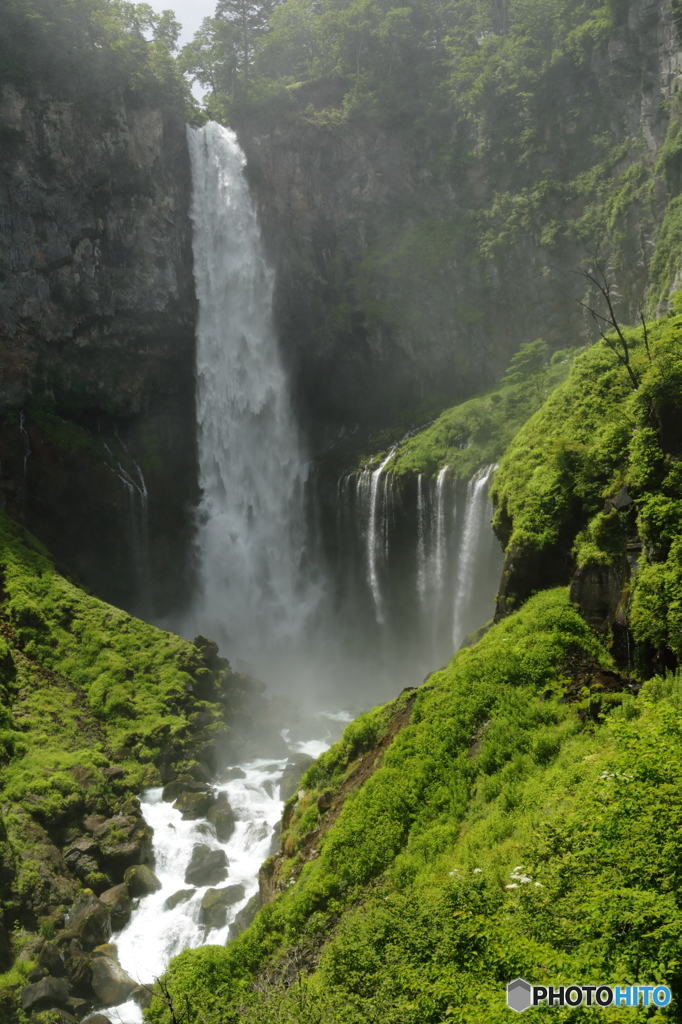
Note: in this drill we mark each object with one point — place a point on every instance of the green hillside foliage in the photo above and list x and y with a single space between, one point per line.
81 683
89 49
476 433
505 833
595 435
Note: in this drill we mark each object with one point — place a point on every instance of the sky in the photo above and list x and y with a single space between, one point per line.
190 13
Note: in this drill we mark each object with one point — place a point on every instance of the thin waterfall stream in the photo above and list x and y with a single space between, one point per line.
409 569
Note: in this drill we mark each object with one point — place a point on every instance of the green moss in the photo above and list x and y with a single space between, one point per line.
476 433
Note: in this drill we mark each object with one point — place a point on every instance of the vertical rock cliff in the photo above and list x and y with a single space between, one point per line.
97 317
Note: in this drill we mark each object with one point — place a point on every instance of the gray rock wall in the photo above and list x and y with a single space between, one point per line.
97 315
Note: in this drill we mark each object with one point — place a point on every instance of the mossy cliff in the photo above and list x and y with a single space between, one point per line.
94 706
429 178
97 303
589 492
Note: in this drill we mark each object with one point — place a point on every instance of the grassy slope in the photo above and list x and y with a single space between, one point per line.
475 433
410 929
82 685
594 435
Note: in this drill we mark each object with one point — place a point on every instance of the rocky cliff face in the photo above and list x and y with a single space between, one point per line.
414 262
97 339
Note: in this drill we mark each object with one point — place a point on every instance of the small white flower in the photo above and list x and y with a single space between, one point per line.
478 871
512 886
455 871
538 885
519 868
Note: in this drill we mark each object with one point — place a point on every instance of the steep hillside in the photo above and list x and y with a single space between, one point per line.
518 814
94 705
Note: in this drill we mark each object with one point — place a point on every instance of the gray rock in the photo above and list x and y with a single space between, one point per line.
221 817
292 774
141 880
91 920
96 1018
244 917
184 784
181 896
207 867
194 805
215 902
142 995
233 773
44 994
117 902
50 960
110 982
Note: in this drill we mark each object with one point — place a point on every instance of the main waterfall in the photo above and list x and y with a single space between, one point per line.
251 533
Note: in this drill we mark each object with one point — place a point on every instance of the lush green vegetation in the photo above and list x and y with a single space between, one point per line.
505 832
597 434
477 432
89 49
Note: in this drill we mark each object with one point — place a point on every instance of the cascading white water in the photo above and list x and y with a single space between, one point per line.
251 469
373 535
474 517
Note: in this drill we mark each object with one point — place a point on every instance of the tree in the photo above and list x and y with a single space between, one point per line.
251 19
212 57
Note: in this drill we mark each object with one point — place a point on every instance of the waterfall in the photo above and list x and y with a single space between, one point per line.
422 571
377 537
137 513
475 517
251 522
439 567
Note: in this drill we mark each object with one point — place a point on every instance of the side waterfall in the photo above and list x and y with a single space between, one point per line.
251 534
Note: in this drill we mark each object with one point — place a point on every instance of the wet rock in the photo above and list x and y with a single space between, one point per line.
93 822
50 960
117 901
183 784
234 773
141 880
110 982
91 921
77 1006
123 842
181 896
292 774
97 1018
215 902
207 867
37 974
109 949
194 805
81 864
44 994
324 801
221 817
79 971
245 916
115 771
142 995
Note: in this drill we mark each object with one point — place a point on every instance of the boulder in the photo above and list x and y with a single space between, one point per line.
110 982
181 896
141 880
109 949
142 995
291 776
194 805
96 1018
115 771
183 784
44 994
207 867
245 916
91 921
123 841
78 1007
324 801
117 902
215 902
50 960
233 773
221 817
79 970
